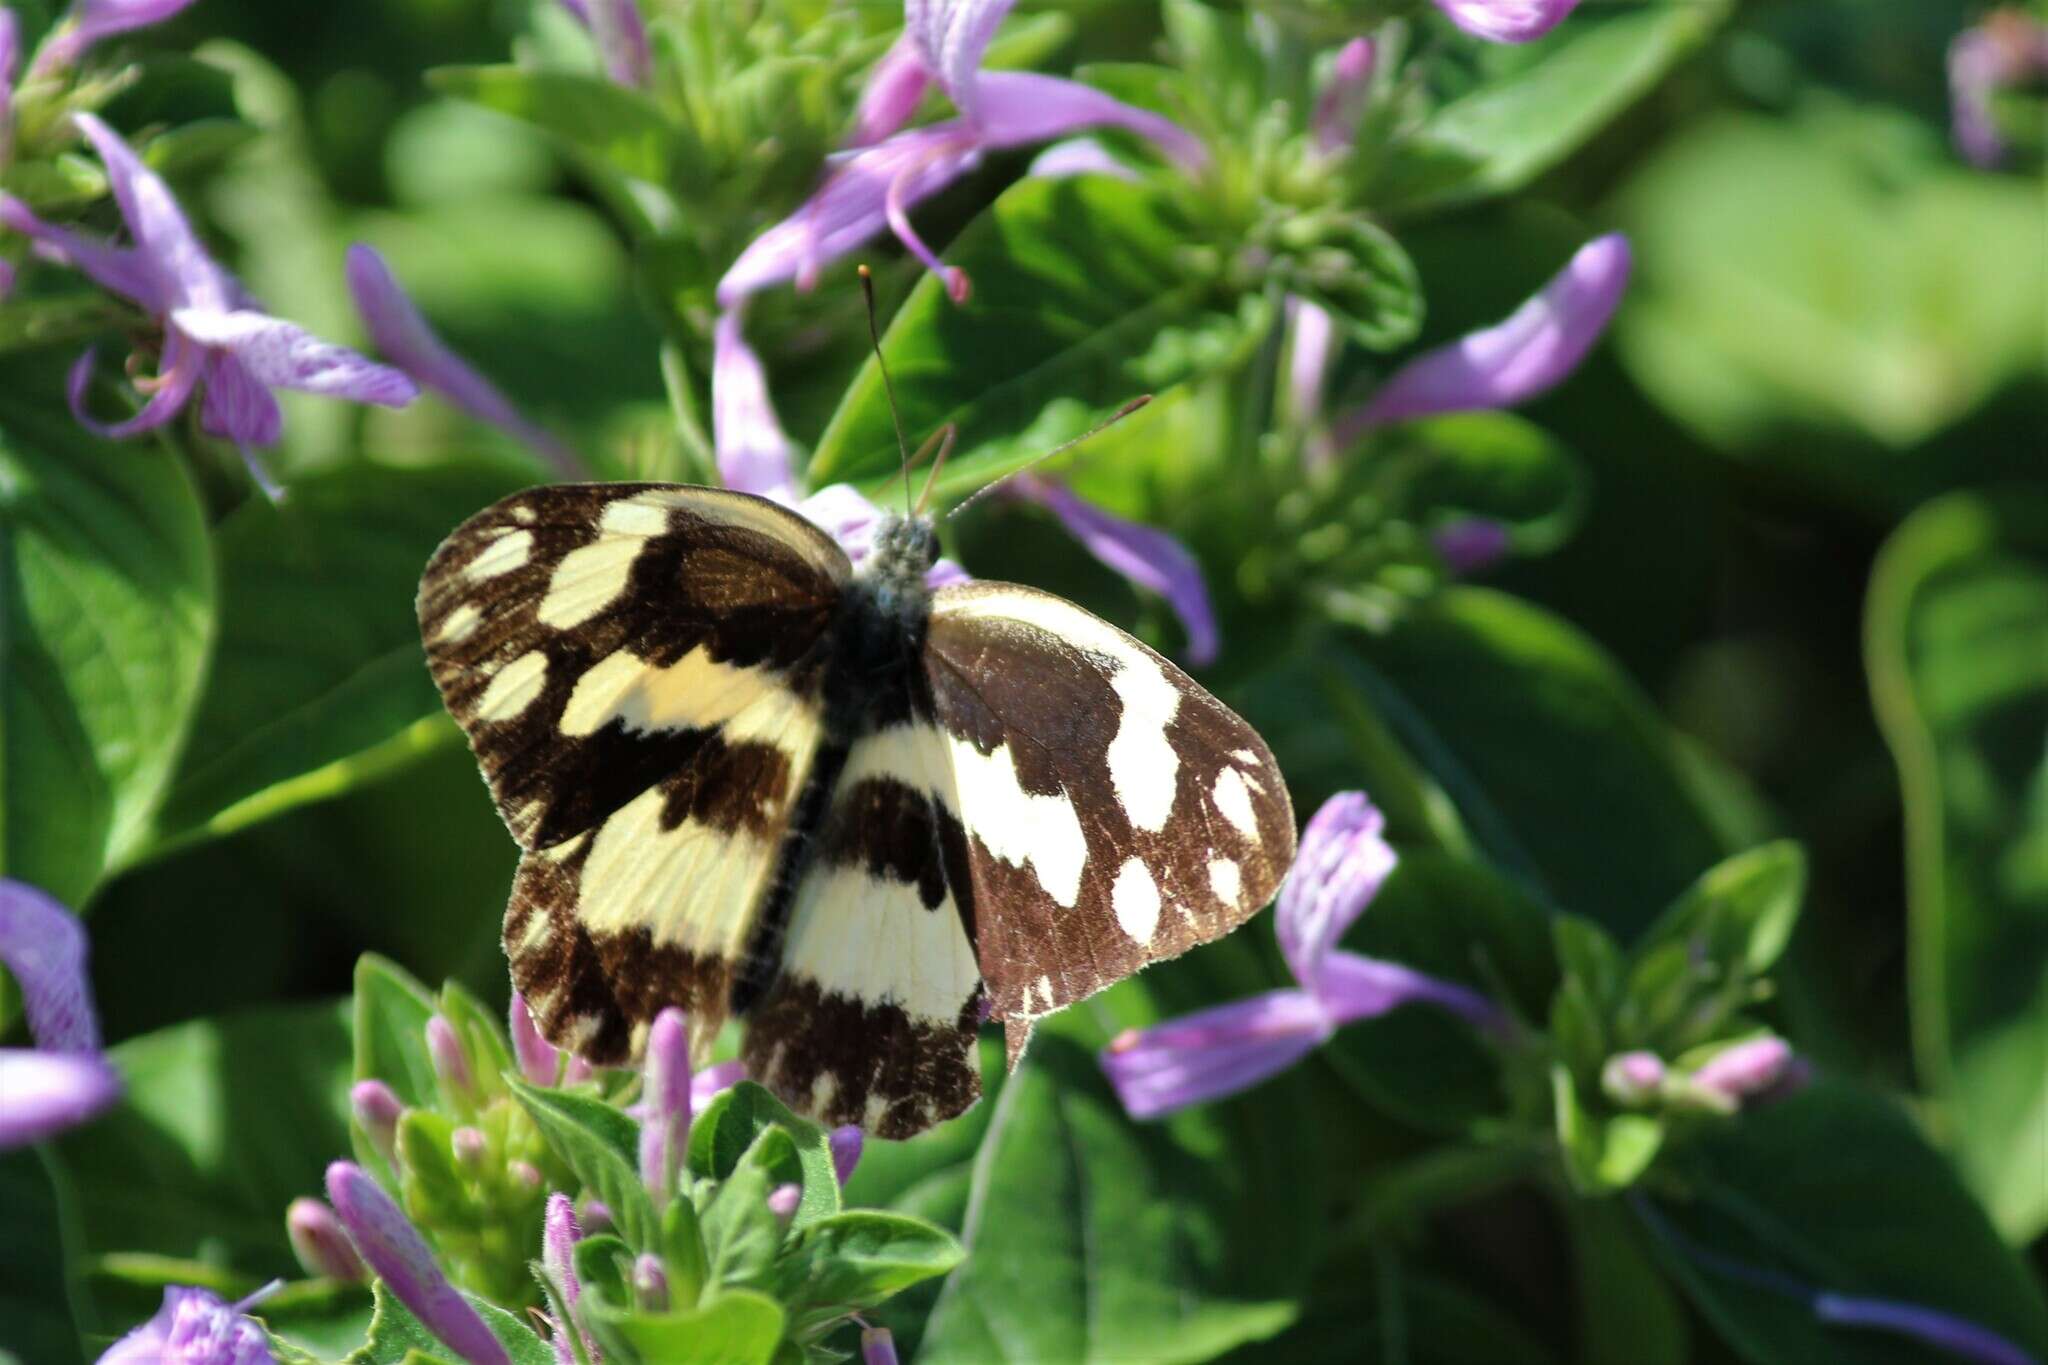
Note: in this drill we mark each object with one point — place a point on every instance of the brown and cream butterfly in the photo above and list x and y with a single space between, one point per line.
860 815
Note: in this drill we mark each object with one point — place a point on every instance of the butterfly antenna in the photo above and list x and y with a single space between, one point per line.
867 292
931 480
1104 425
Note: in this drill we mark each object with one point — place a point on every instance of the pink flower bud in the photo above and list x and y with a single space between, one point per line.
451 1063
1632 1079
782 1201
377 1110
321 1243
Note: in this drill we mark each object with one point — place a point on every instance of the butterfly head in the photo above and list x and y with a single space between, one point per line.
905 549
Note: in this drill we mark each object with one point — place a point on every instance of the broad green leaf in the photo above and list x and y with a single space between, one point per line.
225 1123
1832 1190
1085 296
600 1145
741 1236
319 683
35 1311
1957 639
1414 1318
1628 1313
1360 273
108 613
399 1338
482 1034
734 1121
732 1327
859 1258
1091 1237
1557 94
391 1011
1559 765
617 125
1741 911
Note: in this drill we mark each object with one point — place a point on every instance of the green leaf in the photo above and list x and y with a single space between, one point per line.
1957 640
591 113
733 1123
1355 269
391 1010
1601 1155
1091 1237
1628 1312
481 1032
1588 955
857 1259
109 611
741 1236
1084 298
1561 91
35 1309
735 1327
224 1123
601 1146
1416 1319
1550 751
297 712
1833 1190
1740 912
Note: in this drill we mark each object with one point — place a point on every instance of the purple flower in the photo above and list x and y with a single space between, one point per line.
1513 362
538 1060
891 96
1507 21
875 186
65 1080
754 455
877 1347
621 37
1335 121
665 1121
559 1235
1342 863
1745 1071
451 1063
1148 557
846 1144
407 340
1471 545
783 1201
10 64
1632 1079
213 332
377 1110
90 21
320 1242
195 1327
1959 1337
398 1254
650 1282
2009 48
844 513
1079 156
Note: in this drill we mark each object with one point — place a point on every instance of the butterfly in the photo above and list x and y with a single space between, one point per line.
860 815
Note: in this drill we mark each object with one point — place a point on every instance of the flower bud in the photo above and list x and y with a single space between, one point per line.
559 1235
451 1063
470 1149
538 1060
377 1110
877 1347
665 1126
1632 1079
782 1202
320 1242
650 1284
526 1173
846 1144
596 1217
1747 1069
394 1249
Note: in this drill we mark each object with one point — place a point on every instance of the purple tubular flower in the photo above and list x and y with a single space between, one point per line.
2009 48
65 1080
1355 987
320 1242
1214 1052
395 1250
1079 156
539 1062
877 1347
451 1063
1148 557
754 455
891 96
1342 861
559 1235
377 1110
212 330
1472 545
1534 350
846 1144
92 21
711 1080
650 1283
1745 1070
665 1126
195 1327
1335 121
1959 1337
398 329
1632 1079
10 65
1507 21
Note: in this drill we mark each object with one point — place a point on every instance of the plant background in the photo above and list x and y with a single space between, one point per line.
1808 596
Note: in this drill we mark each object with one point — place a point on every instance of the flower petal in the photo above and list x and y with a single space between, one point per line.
47 1092
1079 156
321 1243
194 1327
1335 122
398 329
186 277
621 36
1340 865
1311 345
754 455
1150 558
2008 48
1533 350
177 375
895 88
45 946
1213 1053
1017 107
1744 1070
953 36
236 407
283 355
713 1079
846 1144
1355 987
852 206
95 20
10 65
1958 1336
121 269
1507 21
394 1249
539 1062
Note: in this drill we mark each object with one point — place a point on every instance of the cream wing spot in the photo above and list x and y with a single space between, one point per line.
1234 800
459 624
504 554
694 693
1135 898
1016 826
1225 881
515 687
1142 763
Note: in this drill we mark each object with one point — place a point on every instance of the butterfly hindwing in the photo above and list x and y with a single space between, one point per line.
1116 813
638 668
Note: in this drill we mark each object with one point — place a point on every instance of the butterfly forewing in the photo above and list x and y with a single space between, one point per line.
1116 813
638 669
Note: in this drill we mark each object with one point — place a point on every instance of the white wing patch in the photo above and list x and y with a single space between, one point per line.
1234 800
505 553
1016 826
695 693
1135 898
514 687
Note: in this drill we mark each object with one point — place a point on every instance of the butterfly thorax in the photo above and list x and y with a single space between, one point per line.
879 631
